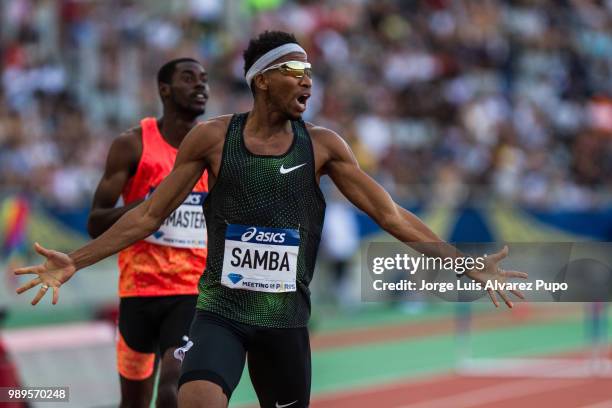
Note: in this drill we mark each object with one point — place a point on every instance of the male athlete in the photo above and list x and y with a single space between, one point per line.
159 275
264 215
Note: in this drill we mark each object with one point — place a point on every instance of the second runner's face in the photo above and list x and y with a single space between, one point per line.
189 87
287 92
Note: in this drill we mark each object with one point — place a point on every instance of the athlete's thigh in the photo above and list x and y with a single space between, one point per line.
137 324
137 340
218 352
279 365
175 321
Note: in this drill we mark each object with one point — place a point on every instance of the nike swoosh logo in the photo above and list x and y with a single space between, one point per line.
283 170
285 405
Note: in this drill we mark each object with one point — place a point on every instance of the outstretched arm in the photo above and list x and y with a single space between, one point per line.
369 196
134 225
121 164
144 219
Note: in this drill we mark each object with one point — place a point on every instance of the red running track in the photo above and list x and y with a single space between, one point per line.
454 391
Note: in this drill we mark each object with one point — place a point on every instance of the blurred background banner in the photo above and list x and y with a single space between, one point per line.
491 120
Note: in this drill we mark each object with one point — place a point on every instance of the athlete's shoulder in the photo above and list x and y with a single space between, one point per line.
131 140
326 138
206 137
216 124
212 130
323 133
131 137
312 128
126 148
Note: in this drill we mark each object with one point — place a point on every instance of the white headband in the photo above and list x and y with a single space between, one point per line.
270 57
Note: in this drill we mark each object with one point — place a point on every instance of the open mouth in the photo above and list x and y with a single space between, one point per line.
301 99
200 97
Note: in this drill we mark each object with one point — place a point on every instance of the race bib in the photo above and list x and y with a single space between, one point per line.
185 227
260 259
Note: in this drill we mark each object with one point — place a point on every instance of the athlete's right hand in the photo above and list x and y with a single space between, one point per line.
56 270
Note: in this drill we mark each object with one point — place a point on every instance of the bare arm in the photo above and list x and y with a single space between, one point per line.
121 164
365 193
369 196
144 219
134 225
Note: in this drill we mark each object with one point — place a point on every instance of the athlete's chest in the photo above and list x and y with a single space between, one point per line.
269 142
270 147
289 173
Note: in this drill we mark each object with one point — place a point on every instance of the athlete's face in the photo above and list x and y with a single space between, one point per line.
287 92
189 88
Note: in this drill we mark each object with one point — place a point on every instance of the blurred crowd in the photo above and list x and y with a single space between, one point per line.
442 101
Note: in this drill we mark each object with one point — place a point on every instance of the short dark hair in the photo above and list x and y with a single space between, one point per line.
164 75
264 42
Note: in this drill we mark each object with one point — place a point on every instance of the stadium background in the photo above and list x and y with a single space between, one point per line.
491 120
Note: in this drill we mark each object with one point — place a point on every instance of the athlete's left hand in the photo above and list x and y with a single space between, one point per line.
493 273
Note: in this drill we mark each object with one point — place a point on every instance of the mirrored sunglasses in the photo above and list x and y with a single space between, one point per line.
296 69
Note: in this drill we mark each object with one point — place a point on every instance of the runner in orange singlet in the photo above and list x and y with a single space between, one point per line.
159 275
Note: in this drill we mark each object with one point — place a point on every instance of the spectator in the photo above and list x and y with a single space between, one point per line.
486 95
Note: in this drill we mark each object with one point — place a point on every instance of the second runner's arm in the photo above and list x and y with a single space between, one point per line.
121 164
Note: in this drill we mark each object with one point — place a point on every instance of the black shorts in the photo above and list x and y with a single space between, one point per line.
279 359
156 323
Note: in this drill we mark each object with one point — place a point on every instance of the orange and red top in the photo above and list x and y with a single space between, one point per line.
170 261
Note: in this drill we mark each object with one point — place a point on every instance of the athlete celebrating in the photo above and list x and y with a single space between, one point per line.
158 276
265 215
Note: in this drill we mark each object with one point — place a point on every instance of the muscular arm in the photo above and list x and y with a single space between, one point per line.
121 164
366 194
144 219
337 160
200 149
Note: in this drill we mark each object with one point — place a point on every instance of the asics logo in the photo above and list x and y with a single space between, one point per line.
249 234
193 199
283 170
261 236
284 405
